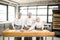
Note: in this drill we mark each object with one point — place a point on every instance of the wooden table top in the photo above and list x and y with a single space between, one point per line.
16 33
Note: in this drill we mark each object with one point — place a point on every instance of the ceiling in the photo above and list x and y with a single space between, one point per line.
27 1
31 2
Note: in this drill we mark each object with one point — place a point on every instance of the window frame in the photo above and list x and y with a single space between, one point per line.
43 8
36 10
48 12
7 10
14 12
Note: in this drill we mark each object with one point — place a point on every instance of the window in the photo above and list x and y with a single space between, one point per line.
43 18
43 7
23 10
7 13
11 13
3 12
50 9
42 13
32 10
39 11
50 18
50 12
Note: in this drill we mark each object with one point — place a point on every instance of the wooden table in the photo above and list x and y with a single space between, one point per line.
15 33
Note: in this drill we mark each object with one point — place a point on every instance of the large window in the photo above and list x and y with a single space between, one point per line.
26 10
50 13
23 11
42 13
7 13
11 13
32 10
3 12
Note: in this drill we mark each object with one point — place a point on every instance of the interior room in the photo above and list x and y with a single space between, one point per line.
29 19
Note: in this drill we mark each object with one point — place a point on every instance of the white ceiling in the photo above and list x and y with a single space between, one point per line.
27 1
30 2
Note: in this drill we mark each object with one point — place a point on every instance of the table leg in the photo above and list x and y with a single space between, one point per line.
3 37
41 38
8 38
52 38
45 38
